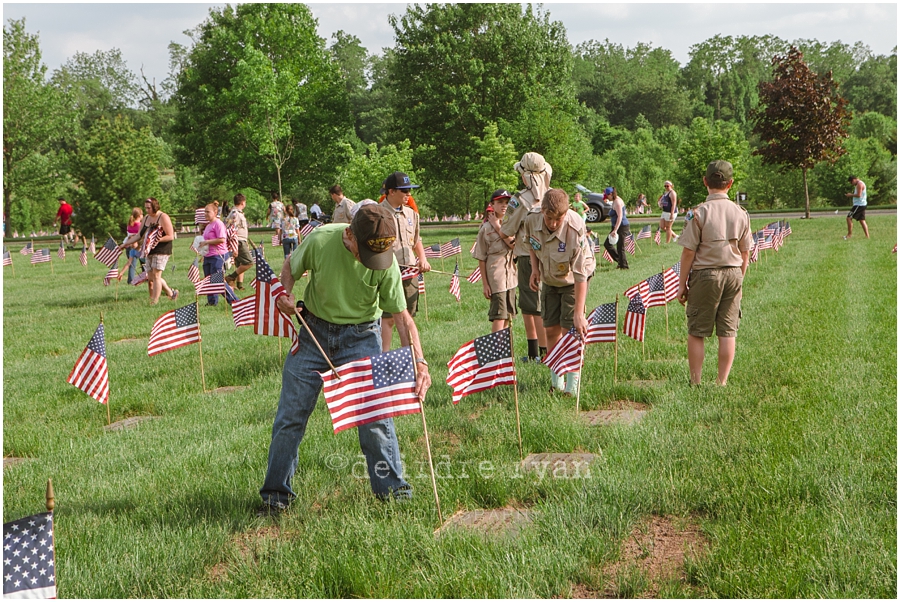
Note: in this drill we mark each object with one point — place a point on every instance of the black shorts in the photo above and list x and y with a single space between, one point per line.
858 212
65 228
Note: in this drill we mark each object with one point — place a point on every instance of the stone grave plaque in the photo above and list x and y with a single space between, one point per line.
608 417
128 423
497 521
10 461
645 383
564 466
228 389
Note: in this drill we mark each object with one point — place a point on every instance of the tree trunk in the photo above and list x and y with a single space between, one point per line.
806 191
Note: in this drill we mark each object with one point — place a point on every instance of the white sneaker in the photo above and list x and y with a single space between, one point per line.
572 381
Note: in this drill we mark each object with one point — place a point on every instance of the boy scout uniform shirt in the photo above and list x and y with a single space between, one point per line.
718 233
500 271
237 219
342 211
566 256
407 233
519 208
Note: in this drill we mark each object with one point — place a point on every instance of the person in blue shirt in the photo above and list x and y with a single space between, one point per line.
858 212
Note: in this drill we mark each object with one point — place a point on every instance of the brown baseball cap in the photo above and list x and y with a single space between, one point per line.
375 230
719 173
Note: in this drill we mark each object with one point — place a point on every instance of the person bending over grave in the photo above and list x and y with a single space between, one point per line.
714 260
563 260
353 278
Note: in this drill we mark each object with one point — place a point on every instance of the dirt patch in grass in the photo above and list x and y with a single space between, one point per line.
228 389
625 404
130 340
12 461
247 546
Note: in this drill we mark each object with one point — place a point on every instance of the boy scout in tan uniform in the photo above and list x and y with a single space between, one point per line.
562 259
714 260
494 253
407 247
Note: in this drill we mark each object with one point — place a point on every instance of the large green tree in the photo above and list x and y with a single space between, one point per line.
707 141
261 103
873 87
492 169
36 117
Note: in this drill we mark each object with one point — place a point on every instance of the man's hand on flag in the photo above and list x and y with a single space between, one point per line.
287 304
422 264
579 323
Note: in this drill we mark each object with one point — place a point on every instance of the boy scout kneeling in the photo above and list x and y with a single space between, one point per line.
561 258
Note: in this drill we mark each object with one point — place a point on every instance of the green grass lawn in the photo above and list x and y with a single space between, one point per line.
790 471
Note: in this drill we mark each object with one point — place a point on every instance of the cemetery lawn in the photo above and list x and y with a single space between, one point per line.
790 472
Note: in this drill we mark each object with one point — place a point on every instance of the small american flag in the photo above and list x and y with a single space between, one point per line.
28 249
29 562
276 240
754 251
595 245
109 253
41 256
656 291
629 243
787 229
482 364
770 229
454 282
174 329
244 311
231 239
83 257
601 325
657 238
140 278
421 279
7 258
93 245
110 275
370 389
567 354
61 251
472 250
214 284
151 240
635 319
608 257
475 276
408 272
91 373
639 288
271 321
644 233
194 271
766 243
308 228
449 249
670 281
434 251
200 216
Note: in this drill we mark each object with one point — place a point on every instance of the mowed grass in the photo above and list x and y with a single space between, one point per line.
790 470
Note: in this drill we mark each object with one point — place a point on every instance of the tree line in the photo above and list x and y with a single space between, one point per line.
259 103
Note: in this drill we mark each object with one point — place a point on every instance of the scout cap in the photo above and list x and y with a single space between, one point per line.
375 230
719 173
398 180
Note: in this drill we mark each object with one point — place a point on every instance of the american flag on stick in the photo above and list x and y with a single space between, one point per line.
607 256
111 274
421 279
449 249
109 253
787 229
194 271
595 245
93 248
29 567
657 238
83 257
656 291
200 216
454 282
151 240
670 281
370 389
635 319
566 355
601 324
7 258
475 276
639 288
308 228
271 321
61 251
91 373
214 284
645 232
629 243
28 249
231 239
434 251
243 311
140 278
482 364
41 256
754 250
276 240
408 272
174 329
474 244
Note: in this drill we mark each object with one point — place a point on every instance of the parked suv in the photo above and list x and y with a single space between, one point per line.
598 209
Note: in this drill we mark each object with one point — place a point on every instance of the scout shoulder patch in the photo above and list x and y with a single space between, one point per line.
534 243
379 245
514 202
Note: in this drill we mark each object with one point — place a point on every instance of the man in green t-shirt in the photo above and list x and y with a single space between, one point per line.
353 279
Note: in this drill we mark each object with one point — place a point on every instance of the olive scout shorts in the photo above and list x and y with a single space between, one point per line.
529 301
503 305
559 305
714 299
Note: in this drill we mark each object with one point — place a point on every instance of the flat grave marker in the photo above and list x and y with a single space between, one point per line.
496 521
122 425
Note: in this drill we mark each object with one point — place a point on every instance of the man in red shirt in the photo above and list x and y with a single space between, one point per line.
64 217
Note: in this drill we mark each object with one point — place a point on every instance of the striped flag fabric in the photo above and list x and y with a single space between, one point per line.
28 249
93 248
271 321
639 288
635 319
567 354
83 257
308 228
214 284
787 229
657 238
243 311
140 278
374 388
61 251
656 291
408 272
150 241
230 295
200 216
109 253
607 256
645 232
113 273
670 281
194 271
765 242
449 249
629 243
421 279
595 245
231 239
475 276
41 256
481 364
174 329
276 240
29 567
434 251
91 372
474 244
754 251
454 282
7 258
601 324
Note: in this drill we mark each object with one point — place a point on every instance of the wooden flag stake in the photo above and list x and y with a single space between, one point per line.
666 304
425 297
32 248
516 390
200 343
108 419
616 343
580 380
437 500
313 337
51 500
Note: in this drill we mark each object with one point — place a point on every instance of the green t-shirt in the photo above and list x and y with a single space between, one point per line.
341 290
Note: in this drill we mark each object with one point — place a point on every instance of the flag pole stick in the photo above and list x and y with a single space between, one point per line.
512 349
51 263
581 380
312 336
425 297
666 304
437 501
32 249
108 419
200 344
616 343
51 499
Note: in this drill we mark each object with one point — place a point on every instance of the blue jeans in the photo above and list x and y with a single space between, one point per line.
300 386
211 265
289 244
134 255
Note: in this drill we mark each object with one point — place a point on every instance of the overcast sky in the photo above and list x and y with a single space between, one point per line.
143 31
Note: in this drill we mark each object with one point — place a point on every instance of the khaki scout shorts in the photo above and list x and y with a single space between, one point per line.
714 299
411 292
243 254
529 301
503 305
559 305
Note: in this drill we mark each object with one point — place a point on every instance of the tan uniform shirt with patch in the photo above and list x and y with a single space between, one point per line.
514 224
500 270
566 256
342 211
718 233
407 233
239 221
